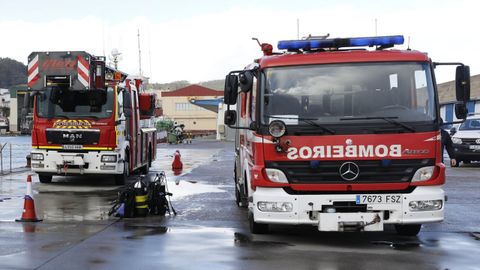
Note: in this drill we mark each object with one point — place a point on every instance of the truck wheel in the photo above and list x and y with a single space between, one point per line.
408 229
256 228
145 169
120 179
45 178
150 157
238 199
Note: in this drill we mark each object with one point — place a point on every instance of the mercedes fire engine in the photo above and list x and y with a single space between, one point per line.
88 118
341 134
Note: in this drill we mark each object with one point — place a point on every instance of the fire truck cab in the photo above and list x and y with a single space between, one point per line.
341 134
88 118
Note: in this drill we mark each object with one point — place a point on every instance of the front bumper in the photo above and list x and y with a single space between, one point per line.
55 162
463 152
307 209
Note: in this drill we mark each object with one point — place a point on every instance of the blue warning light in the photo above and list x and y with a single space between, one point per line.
309 44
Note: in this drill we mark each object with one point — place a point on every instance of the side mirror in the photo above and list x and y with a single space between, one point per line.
246 80
127 103
26 105
461 110
230 118
462 83
231 90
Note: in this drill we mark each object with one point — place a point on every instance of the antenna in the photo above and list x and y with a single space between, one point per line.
115 57
298 28
139 54
408 44
150 53
103 37
376 30
258 41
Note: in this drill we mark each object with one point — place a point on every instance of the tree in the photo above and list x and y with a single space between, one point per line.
12 73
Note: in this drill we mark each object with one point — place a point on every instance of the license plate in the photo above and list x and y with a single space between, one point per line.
474 147
379 199
72 147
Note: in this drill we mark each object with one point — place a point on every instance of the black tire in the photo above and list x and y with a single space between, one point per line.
256 228
408 229
121 179
45 178
150 156
466 162
145 169
238 199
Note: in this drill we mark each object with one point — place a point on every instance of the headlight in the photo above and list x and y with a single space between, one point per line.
275 206
429 205
109 158
36 156
423 174
277 128
456 140
276 176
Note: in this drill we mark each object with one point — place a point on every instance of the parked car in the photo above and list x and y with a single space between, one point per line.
466 141
4 124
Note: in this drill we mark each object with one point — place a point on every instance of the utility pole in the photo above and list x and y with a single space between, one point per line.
139 54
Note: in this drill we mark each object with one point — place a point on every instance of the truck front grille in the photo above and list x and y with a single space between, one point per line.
370 171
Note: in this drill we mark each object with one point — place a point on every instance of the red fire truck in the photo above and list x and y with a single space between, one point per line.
88 118
342 134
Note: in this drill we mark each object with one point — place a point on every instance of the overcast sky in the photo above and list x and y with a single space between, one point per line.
203 40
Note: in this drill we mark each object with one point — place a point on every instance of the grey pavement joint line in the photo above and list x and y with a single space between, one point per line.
74 245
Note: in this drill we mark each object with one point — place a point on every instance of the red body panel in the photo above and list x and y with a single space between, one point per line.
336 57
378 146
105 126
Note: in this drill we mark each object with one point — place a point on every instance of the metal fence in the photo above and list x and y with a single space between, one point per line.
13 156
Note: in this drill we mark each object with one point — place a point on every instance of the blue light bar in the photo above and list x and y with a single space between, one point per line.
385 41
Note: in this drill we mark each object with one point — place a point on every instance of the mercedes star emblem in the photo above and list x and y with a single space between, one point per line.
349 171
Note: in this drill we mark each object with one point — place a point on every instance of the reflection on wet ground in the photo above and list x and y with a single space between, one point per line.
209 232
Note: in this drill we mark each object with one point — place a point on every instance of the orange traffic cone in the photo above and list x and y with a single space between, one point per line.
177 162
29 214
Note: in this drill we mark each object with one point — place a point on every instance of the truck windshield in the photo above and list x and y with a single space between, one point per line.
58 102
331 94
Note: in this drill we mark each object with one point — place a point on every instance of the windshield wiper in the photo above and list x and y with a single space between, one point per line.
60 116
309 121
89 116
390 120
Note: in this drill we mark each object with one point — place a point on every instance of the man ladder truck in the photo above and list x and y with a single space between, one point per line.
88 118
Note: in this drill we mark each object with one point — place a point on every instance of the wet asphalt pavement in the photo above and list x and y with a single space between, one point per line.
210 232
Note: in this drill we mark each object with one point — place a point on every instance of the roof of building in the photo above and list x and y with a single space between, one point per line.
209 104
192 91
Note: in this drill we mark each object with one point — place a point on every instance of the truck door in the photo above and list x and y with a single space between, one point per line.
137 137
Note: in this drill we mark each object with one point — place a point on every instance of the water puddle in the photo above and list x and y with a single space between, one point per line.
399 245
241 239
140 231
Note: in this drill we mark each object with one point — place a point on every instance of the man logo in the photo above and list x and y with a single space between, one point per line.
349 171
